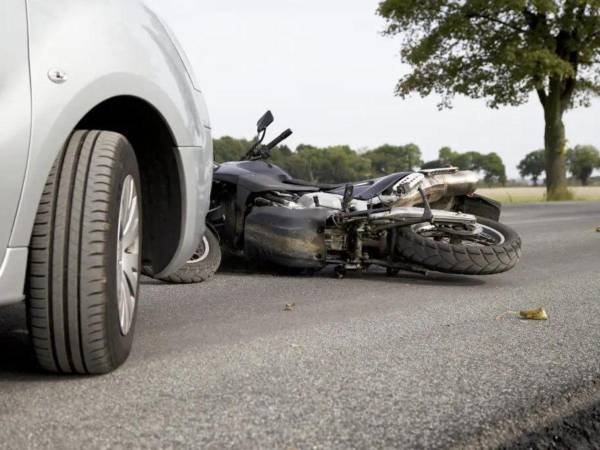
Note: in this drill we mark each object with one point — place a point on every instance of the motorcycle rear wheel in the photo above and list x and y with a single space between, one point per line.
495 250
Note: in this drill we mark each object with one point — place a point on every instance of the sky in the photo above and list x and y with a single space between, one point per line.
325 70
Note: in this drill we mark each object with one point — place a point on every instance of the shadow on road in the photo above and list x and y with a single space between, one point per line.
580 430
243 268
377 274
16 355
17 360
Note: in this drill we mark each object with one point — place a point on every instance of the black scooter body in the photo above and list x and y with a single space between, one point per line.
258 176
261 176
282 236
256 211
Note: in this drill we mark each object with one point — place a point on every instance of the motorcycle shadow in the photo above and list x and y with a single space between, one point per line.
375 273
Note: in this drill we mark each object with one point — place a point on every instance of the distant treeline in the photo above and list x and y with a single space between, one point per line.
341 163
581 160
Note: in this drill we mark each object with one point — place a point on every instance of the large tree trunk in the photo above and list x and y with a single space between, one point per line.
555 145
585 177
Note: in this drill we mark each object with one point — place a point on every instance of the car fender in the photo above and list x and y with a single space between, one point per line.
83 53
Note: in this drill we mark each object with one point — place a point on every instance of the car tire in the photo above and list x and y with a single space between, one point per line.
83 277
201 267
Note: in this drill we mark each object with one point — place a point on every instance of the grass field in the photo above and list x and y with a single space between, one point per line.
536 194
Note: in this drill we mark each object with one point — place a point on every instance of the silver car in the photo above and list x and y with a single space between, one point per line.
105 165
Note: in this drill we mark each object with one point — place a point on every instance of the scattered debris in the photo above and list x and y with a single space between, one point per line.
289 307
598 230
534 314
529 314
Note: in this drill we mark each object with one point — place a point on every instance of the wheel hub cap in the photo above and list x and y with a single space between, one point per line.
128 250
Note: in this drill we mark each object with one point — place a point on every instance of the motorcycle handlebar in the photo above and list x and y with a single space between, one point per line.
279 139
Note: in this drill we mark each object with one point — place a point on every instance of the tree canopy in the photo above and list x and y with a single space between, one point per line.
533 165
394 158
229 149
502 51
491 165
582 160
335 164
340 163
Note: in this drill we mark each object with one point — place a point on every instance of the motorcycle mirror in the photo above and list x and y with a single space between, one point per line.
266 120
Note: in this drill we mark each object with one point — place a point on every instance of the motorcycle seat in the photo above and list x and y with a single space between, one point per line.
317 186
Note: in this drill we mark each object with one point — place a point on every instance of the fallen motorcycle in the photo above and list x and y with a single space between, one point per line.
430 220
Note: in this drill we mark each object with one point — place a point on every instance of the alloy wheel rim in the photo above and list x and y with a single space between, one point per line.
128 250
201 253
487 236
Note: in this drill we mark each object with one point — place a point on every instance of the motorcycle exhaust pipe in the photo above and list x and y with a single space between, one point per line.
437 186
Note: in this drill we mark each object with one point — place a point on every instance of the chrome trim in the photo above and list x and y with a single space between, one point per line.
439 215
438 186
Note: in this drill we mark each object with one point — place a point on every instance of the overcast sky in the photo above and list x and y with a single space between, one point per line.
325 70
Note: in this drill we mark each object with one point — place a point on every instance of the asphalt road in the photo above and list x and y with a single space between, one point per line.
364 362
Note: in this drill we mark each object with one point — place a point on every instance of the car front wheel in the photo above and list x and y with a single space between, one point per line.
85 261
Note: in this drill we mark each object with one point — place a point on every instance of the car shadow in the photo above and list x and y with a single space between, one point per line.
17 361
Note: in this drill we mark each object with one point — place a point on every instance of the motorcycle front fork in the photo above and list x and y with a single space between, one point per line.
362 261
393 267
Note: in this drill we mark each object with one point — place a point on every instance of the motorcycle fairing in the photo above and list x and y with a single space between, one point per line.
287 237
369 189
260 176
257 176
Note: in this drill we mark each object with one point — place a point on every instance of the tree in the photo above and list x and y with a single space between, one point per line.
281 155
491 164
336 164
582 160
493 169
533 165
503 50
464 161
391 158
230 149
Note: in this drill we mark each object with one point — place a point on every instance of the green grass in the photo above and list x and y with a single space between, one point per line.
536 194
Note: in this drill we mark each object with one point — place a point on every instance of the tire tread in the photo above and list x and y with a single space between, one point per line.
459 259
67 266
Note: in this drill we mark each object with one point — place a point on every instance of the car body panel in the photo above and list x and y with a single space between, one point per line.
12 275
15 112
108 49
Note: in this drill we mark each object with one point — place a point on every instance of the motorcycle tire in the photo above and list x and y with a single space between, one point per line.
202 265
461 258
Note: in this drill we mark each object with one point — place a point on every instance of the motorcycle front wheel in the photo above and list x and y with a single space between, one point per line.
203 264
495 249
